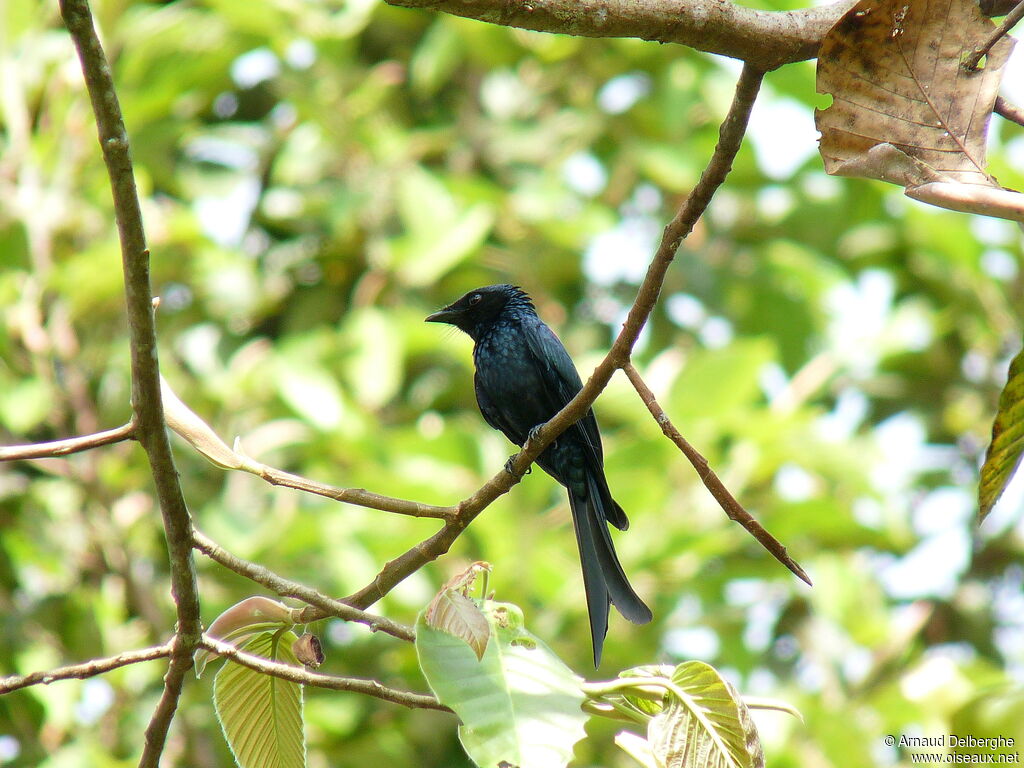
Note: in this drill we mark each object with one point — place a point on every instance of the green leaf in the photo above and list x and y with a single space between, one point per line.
374 370
423 260
704 724
261 716
519 704
25 404
718 382
314 394
425 205
436 58
645 704
1004 453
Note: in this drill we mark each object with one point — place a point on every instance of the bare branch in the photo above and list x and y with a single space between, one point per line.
86 669
315 679
146 402
730 137
725 499
68 445
765 39
1011 112
357 496
287 588
160 721
1014 16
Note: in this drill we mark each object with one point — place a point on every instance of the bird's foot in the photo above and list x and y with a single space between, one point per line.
534 431
511 470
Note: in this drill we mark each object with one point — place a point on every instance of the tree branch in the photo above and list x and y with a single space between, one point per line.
68 445
358 496
305 677
730 137
765 39
725 499
146 403
1011 112
86 669
287 588
1014 16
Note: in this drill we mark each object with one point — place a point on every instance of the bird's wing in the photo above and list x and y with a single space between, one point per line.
555 368
494 416
562 381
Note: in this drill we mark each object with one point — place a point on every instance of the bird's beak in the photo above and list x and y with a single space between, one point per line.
446 315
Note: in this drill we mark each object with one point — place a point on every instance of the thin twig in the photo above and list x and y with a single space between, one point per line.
68 445
1011 112
86 669
287 588
332 682
725 499
730 137
971 62
357 496
204 439
146 403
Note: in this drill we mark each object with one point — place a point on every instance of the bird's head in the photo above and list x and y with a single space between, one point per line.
475 311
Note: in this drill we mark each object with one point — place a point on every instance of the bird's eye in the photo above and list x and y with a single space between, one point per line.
475 299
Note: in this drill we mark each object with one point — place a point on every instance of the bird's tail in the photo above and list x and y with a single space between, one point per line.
603 578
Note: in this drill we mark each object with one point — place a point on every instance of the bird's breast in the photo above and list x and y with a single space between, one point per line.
507 372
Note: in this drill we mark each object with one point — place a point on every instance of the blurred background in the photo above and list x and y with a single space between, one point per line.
316 178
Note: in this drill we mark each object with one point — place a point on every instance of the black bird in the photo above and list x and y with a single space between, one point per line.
524 376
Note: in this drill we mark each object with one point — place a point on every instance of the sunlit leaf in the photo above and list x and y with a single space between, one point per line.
1007 446
708 726
260 715
638 748
519 704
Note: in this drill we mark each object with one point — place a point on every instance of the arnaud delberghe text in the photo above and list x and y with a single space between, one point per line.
953 740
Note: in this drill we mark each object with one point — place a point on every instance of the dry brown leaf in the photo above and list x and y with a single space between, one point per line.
454 612
905 111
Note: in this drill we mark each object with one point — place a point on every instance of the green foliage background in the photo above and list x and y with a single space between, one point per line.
316 178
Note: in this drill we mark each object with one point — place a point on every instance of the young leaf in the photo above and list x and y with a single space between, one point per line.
1004 453
454 612
646 703
637 747
459 616
704 723
519 704
186 422
260 715
249 617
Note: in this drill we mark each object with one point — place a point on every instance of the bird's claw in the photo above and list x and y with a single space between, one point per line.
510 468
532 434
